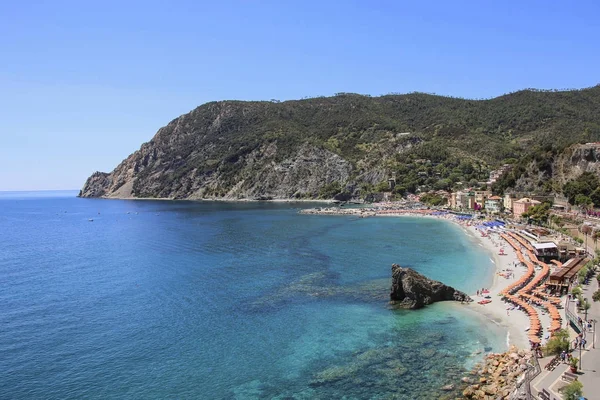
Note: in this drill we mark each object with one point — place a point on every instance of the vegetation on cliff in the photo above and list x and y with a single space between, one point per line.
236 149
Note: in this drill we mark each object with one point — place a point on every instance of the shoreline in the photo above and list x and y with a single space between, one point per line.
515 322
221 200
497 312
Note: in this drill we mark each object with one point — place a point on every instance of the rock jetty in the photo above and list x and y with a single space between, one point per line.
499 376
412 290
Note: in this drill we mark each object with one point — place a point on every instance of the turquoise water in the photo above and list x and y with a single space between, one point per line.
180 300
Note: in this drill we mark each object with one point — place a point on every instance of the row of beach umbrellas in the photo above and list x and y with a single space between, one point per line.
527 283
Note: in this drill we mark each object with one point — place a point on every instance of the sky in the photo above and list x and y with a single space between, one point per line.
84 84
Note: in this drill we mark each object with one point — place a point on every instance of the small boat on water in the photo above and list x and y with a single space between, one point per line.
91 219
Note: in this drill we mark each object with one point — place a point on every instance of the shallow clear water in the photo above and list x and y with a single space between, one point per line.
179 300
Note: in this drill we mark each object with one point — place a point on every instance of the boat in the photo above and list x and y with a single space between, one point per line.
482 302
91 219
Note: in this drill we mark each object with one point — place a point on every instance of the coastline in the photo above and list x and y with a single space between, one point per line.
245 200
498 312
514 321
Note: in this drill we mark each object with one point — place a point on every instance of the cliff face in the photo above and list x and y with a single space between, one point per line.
576 160
413 290
342 145
559 168
260 175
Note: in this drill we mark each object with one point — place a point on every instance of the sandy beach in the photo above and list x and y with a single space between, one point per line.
498 312
507 271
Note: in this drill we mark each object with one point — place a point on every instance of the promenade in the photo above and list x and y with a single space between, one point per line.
589 374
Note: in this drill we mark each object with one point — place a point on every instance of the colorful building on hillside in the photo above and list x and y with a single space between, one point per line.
521 206
494 204
508 200
465 200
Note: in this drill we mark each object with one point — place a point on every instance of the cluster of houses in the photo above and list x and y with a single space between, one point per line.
514 203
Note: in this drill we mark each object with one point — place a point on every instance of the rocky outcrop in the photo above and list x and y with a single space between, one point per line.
413 290
576 160
559 168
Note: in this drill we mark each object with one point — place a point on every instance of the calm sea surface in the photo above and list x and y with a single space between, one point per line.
156 299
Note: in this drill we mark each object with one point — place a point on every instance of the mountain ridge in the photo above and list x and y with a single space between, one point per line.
346 145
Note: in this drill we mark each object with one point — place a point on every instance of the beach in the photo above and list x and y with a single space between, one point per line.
506 271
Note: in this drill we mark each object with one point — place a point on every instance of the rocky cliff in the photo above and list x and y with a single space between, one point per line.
549 171
576 160
345 145
413 290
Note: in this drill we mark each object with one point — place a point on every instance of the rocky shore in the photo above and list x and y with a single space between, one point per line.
498 376
412 290
360 212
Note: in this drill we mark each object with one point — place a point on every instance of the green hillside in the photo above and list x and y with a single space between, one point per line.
427 141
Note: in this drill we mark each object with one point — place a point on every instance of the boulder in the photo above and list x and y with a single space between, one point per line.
490 389
412 290
468 392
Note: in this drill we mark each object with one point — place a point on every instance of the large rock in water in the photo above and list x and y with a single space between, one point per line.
413 290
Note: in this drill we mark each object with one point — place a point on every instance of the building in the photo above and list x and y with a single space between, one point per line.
508 200
481 196
452 200
546 251
560 203
496 174
562 278
521 206
493 204
465 200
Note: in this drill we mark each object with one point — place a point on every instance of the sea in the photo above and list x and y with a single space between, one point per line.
140 299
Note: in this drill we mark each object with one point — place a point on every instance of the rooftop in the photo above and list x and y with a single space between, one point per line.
527 200
540 246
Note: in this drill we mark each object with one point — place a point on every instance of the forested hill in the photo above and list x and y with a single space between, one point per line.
348 145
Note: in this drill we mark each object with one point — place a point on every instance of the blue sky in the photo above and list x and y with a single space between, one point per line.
84 84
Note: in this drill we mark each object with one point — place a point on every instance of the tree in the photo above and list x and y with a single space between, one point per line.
585 185
596 236
583 274
573 391
583 201
596 295
558 343
433 199
595 196
585 306
538 213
